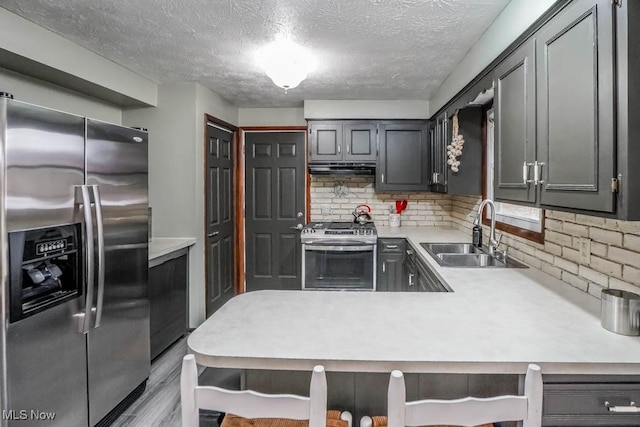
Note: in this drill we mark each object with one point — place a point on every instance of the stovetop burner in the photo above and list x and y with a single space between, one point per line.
348 226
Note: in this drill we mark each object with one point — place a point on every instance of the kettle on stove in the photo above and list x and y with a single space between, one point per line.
361 214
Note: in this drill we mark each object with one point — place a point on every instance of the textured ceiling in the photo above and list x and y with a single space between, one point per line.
366 49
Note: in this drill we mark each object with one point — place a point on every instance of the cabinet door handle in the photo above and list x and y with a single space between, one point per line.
339 149
411 276
348 149
382 178
384 267
392 246
632 408
537 173
215 233
525 173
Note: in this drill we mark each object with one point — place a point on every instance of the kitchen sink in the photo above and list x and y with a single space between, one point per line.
466 255
451 248
470 260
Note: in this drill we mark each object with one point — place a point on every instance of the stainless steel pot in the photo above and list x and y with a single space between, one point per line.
620 311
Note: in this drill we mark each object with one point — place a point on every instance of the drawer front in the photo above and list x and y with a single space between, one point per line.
391 245
584 404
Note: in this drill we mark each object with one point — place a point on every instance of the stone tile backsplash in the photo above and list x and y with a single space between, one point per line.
342 194
615 247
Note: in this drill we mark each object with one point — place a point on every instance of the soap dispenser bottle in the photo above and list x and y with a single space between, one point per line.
477 233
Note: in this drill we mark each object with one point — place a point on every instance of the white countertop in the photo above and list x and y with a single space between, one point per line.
495 321
159 246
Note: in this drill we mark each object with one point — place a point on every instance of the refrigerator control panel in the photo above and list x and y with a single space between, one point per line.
42 248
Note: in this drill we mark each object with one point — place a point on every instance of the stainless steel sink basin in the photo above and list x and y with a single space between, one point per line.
451 248
467 255
470 260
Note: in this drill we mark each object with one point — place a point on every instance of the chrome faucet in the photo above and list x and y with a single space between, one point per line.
493 243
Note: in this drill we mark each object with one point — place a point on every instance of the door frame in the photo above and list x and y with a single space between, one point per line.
234 142
241 193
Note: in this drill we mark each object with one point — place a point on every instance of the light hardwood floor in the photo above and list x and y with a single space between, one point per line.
159 405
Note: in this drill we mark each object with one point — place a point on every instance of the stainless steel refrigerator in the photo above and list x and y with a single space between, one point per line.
74 266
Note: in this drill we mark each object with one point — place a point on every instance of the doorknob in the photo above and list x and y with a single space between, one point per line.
298 227
300 214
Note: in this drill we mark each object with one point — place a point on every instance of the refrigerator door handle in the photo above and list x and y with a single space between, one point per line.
89 252
100 226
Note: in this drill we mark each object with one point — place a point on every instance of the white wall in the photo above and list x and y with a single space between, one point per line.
47 95
327 109
508 26
176 170
271 117
28 40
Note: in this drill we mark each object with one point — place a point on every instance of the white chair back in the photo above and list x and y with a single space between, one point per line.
469 411
251 404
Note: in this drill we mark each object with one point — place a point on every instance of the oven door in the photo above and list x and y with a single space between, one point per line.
339 267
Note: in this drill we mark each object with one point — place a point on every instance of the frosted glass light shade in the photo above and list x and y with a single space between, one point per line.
286 63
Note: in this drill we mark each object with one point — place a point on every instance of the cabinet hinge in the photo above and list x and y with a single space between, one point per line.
615 185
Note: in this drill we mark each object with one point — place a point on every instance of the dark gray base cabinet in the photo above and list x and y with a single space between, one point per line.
401 270
391 265
168 284
580 401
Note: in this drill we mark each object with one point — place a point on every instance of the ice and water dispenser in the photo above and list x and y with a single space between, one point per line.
45 269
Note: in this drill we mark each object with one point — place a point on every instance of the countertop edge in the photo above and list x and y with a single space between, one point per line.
159 246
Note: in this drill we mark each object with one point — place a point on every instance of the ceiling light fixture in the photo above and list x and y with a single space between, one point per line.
286 63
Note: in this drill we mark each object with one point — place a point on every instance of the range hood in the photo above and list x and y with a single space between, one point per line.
342 168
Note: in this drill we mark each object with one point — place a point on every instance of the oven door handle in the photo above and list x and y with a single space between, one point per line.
340 248
341 243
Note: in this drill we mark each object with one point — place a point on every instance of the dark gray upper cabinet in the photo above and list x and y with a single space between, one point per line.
515 126
575 73
403 161
361 141
353 141
628 109
468 179
325 142
554 113
438 151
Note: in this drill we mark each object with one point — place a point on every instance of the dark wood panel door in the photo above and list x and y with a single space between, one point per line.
576 107
220 218
275 206
325 144
361 142
403 163
515 126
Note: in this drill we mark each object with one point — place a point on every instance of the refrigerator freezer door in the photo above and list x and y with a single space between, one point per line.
118 349
45 353
44 161
47 359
